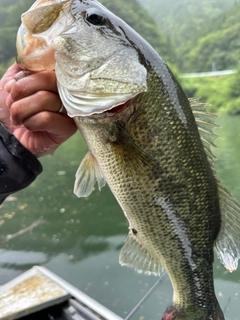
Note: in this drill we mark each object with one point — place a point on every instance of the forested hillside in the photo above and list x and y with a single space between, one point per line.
217 43
180 19
205 34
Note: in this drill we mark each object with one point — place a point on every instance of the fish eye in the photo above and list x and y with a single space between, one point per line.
94 17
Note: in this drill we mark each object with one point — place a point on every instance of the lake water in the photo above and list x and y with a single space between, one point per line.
80 239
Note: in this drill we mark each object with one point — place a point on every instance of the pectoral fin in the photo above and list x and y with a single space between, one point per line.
87 174
134 255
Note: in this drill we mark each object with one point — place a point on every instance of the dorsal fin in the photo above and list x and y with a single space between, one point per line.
206 124
227 244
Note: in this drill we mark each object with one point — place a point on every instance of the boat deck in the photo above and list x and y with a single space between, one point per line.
41 294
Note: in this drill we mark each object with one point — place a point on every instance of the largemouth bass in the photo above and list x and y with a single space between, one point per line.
146 140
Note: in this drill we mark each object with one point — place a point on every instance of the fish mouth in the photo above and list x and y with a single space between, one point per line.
34 55
39 28
118 108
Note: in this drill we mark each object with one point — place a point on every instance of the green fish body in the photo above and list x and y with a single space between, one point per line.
152 158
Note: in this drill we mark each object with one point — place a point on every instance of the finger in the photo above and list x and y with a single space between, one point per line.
18 76
29 106
8 86
11 72
26 86
59 126
9 101
22 74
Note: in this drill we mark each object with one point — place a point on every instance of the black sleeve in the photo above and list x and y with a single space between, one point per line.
18 166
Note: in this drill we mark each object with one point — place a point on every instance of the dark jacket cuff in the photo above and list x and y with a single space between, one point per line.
18 166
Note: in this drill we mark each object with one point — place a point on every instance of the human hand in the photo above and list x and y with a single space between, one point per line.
29 105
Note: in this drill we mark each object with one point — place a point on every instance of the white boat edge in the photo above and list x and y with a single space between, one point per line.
64 291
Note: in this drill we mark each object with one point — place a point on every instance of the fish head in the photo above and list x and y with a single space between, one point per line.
97 66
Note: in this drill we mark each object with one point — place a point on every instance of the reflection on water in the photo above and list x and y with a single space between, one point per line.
81 238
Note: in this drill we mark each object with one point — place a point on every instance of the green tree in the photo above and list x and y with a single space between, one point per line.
218 43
